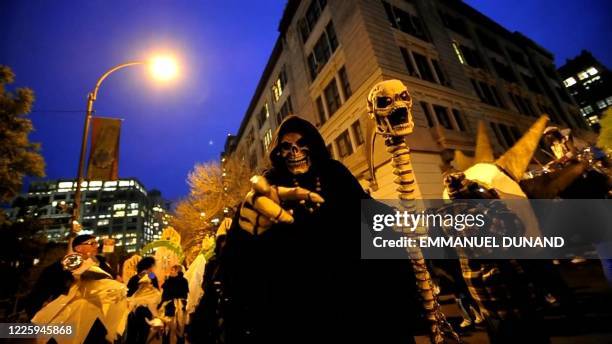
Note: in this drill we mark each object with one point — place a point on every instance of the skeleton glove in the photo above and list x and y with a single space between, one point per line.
261 206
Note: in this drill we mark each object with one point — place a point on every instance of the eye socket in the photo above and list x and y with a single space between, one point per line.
404 96
285 145
383 102
301 142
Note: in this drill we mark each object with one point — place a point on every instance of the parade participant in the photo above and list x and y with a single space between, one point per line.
290 265
96 305
173 308
144 297
87 245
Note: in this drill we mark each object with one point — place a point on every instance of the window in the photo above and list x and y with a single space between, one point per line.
286 109
609 100
405 22
503 71
332 97
522 105
531 83
569 82
344 144
489 42
517 57
487 93
442 116
454 23
253 161
583 75
263 115
346 86
592 71
313 13
320 110
408 62
427 114
356 128
458 53
472 57
601 104
423 67
508 137
322 51
267 140
459 119
440 73
279 85
587 110
250 138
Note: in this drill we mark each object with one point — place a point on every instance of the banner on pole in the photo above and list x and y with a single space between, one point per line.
104 153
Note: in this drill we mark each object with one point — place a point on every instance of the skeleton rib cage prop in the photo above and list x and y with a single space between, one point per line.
390 106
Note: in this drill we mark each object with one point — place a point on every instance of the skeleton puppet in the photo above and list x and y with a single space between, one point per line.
390 106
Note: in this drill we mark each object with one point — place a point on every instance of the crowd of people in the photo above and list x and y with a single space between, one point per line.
288 269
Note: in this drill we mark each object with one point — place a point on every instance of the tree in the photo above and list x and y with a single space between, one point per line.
605 134
213 188
18 156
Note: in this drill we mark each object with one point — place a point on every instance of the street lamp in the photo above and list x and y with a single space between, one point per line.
162 68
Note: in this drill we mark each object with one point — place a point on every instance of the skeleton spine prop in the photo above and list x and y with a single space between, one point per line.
390 106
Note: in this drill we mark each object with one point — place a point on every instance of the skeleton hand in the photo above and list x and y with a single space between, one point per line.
261 207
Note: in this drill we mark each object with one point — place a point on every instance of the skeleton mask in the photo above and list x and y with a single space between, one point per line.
296 153
390 104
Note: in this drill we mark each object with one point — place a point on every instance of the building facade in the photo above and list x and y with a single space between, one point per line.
459 66
590 83
120 209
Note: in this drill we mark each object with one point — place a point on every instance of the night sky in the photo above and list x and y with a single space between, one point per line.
60 48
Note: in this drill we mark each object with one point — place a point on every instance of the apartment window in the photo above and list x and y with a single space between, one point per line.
250 137
487 93
506 133
286 109
263 115
322 51
408 62
517 57
441 77
601 104
427 114
423 67
356 128
344 81
454 23
458 52
267 140
531 83
609 100
405 22
313 13
332 97
459 119
472 57
569 82
489 42
503 71
442 116
279 85
320 110
343 142
587 110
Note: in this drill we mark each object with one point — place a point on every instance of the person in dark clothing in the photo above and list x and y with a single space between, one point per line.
291 263
55 281
176 286
137 326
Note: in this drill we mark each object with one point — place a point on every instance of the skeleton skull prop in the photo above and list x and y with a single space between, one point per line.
296 153
390 104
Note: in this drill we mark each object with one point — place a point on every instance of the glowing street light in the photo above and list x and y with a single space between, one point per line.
162 68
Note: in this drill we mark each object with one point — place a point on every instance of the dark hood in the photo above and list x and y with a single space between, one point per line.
294 124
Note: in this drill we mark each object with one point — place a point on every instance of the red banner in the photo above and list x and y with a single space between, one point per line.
104 153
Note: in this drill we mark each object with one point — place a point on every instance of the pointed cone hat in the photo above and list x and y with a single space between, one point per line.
516 159
461 161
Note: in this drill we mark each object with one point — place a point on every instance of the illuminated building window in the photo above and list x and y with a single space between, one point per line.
263 115
458 53
609 100
344 144
110 183
592 71
267 139
601 104
279 85
118 206
593 119
583 75
103 222
120 213
586 110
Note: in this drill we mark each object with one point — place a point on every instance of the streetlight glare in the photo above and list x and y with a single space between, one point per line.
164 68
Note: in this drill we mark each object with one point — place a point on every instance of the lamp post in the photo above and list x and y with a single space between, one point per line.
162 68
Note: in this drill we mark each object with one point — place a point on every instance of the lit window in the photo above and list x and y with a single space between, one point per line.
64 185
111 183
118 206
601 104
102 222
592 71
609 100
593 119
586 110
95 183
460 55
124 183
120 213
569 82
582 75
267 139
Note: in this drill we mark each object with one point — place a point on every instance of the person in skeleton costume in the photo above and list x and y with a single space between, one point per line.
390 106
502 288
292 270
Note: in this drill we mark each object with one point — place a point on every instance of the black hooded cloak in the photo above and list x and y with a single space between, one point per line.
305 281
